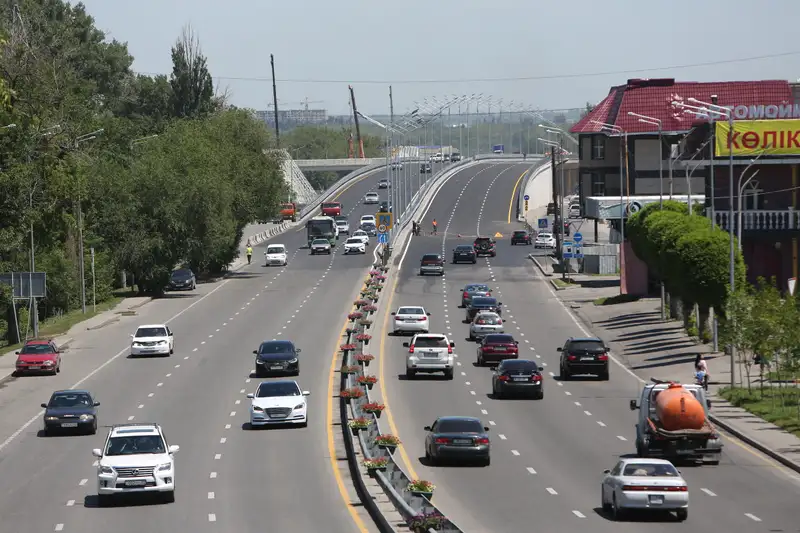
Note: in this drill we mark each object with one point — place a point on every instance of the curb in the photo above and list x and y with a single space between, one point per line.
104 324
137 306
539 266
763 448
556 287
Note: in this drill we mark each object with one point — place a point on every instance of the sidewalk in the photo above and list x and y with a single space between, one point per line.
663 350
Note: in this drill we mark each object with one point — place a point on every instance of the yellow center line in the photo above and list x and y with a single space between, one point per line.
362 528
365 176
514 195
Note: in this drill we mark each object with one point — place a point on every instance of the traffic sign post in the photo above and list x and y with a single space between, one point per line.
526 197
567 250
526 205
385 219
543 223
578 237
577 250
382 229
383 238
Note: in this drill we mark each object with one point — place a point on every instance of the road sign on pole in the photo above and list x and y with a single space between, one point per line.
526 205
543 223
385 219
567 250
577 251
578 237
526 197
383 238
382 229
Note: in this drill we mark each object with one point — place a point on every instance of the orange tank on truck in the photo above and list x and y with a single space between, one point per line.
678 409
289 211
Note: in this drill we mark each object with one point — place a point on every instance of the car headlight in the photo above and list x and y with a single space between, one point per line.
106 470
84 418
48 363
165 467
300 406
51 418
291 361
162 342
257 409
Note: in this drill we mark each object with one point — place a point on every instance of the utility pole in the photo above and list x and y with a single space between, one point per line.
80 252
392 175
275 101
556 211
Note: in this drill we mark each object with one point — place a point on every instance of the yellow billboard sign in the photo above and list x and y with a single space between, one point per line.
755 137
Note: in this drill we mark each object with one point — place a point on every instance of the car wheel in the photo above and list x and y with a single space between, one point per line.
410 374
169 497
480 360
616 510
564 374
259 373
486 461
421 273
683 514
448 374
603 503
94 427
604 376
715 462
474 261
540 395
471 336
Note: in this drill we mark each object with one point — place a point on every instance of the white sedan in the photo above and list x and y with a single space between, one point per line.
276 255
412 319
645 484
361 235
354 245
152 339
278 402
545 240
371 198
368 219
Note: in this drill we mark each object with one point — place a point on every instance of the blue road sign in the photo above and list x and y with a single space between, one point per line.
383 238
526 197
543 223
567 250
577 237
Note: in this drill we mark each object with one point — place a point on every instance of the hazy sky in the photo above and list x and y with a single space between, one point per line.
582 46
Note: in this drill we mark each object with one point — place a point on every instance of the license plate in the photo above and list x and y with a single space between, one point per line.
34 368
520 379
587 358
430 354
656 499
136 483
685 452
69 425
275 367
462 441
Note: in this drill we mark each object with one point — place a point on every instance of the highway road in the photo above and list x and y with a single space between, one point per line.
549 455
228 478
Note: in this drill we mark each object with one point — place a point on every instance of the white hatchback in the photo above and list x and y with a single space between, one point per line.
545 240
645 484
411 319
276 255
354 245
152 339
428 353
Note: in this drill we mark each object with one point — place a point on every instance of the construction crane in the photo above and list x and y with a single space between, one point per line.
304 103
358 128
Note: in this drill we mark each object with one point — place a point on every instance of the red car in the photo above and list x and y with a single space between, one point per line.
331 209
497 347
42 356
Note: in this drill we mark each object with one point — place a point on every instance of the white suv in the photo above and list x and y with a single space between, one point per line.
135 458
428 353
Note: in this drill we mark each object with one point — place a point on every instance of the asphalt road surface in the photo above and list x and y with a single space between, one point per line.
228 478
548 455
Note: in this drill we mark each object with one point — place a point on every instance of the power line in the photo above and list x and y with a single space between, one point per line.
518 78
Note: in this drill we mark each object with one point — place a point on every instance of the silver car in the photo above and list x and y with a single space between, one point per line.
474 289
484 323
320 246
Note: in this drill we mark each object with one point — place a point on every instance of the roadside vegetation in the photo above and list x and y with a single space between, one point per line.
152 172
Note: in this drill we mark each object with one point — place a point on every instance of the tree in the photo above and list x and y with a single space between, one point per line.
192 86
737 328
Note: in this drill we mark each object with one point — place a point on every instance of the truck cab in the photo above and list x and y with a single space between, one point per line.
288 212
703 445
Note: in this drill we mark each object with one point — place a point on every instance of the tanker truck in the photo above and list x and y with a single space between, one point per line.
673 423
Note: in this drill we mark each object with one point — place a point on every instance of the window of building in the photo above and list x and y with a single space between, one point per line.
598 184
598 147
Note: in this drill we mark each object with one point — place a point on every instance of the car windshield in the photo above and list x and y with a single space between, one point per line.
36 349
481 240
340 218
544 236
341 222
430 342
372 195
431 259
70 400
320 241
483 301
477 288
275 389
650 470
459 426
354 241
464 248
151 332
135 445
182 274
520 233
329 205
487 319
587 345
411 311
499 339
275 347
518 366
275 250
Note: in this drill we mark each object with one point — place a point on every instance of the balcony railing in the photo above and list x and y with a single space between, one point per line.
785 219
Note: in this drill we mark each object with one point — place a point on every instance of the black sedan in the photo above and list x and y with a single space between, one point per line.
518 377
464 253
521 237
458 438
482 303
277 357
70 410
182 279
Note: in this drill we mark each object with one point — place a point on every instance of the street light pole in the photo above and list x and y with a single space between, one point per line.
78 140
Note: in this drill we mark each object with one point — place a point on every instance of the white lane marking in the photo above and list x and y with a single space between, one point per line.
227 426
217 456
131 418
601 424
116 356
587 413
531 470
472 392
559 384
95 463
177 366
168 375
568 393
233 413
515 452
578 404
141 406
212 517
752 517
83 482
463 373
578 514
70 503
185 358
492 423
484 412
159 384
238 402
551 490
222 440
210 495
59 527
709 492
502 437
247 380
217 330
194 350
620 437
213 475
467 383
241 391
202 342
552 374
